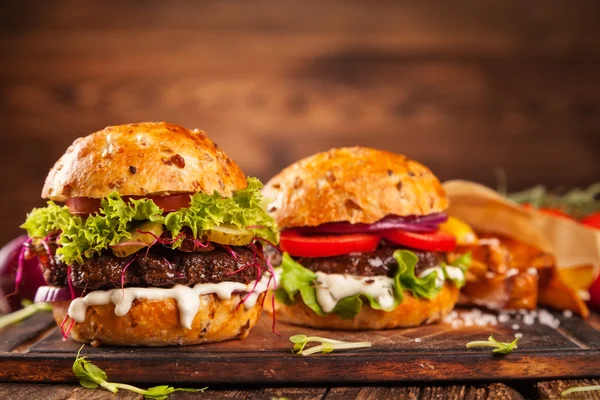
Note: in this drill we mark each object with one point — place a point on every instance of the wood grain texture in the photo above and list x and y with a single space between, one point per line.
464 88
265 358
493 391
553 389
373 393
14 391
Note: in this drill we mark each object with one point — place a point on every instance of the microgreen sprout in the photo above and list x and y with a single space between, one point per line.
500 347
92 377
576 389
326 346
26 312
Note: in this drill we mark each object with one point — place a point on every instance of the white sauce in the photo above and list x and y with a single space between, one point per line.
330 288
439 279
455 273
333 287
187 298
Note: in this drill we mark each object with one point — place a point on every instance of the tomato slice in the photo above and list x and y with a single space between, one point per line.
326 246
83 205
435 241
88 205
592 220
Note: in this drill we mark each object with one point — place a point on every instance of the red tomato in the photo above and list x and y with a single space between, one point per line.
87 205
82 205
435 241
326 246
592 220
595 294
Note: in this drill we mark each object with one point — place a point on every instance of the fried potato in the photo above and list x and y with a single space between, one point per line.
506 274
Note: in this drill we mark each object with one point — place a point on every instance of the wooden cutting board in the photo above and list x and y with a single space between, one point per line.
34 351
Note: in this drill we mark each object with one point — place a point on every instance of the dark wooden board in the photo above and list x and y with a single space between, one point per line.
572 350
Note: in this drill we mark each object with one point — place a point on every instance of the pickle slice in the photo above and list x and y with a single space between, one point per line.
229 235
138 239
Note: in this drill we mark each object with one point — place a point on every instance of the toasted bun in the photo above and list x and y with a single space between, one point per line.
356 184
151 158
156 323
411 312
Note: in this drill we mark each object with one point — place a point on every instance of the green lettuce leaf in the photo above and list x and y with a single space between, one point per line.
43 221
420 287
296 279
117 218
242 210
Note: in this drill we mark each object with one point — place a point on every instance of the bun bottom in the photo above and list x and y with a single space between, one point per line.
411 312
156 323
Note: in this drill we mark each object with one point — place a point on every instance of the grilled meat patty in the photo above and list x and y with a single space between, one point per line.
378 262
160 268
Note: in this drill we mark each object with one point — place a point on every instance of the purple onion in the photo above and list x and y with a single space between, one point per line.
413 223
51 294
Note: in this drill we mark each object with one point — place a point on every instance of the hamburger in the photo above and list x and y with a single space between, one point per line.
361 242
151 237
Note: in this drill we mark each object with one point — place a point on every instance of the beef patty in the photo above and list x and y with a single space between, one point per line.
378 262
160 268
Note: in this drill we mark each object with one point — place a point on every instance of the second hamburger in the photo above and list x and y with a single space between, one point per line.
361 242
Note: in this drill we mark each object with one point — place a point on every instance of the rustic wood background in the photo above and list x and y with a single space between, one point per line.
466 87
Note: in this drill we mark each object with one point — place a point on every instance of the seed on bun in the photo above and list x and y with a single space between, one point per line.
361 242
355 184
158 242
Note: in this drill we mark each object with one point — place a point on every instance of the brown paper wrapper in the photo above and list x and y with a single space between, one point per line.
572 244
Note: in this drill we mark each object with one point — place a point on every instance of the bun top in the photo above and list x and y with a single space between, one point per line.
150 158
356 185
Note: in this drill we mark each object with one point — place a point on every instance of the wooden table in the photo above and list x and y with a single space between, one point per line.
508 391
261 367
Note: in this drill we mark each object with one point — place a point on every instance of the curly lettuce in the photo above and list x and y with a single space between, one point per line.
297 280
83 238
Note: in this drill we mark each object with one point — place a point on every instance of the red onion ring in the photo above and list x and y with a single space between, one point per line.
51 294
413 223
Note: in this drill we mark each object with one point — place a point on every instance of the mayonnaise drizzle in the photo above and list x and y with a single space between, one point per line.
187 298
331 288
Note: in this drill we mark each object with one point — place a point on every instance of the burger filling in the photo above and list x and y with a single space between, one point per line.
339 273
211 245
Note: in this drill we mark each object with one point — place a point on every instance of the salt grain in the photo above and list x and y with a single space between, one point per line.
518 335
532 271
515 326
418 340
567 313
503 318
528 319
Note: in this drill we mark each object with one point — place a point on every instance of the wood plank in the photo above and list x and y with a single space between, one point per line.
396 356
13 335
16 391
373 393
553 389
303 393
435 337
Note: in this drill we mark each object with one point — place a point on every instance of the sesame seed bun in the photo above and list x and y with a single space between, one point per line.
355 184
143 159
